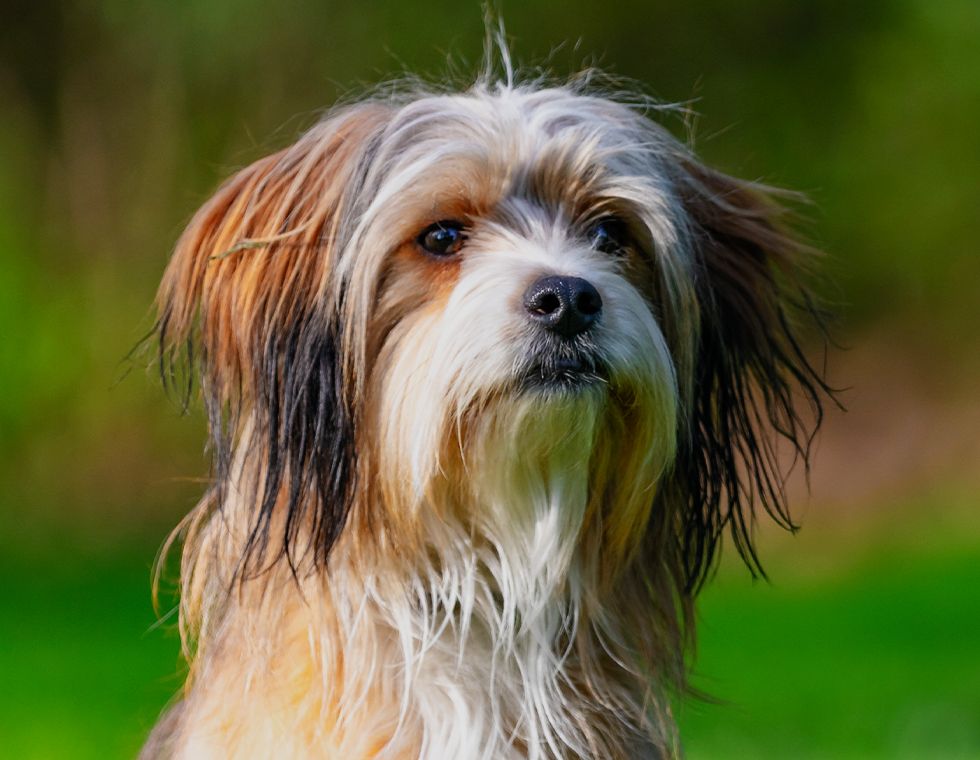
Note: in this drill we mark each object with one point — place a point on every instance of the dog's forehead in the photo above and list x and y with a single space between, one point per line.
520 127
552 145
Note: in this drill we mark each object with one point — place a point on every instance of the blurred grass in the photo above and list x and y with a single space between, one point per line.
881 664
881 660
872 654
85 673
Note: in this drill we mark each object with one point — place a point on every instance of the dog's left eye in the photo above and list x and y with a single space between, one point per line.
443 238
609 235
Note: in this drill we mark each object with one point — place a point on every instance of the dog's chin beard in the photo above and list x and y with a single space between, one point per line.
537 439
562 377
562 373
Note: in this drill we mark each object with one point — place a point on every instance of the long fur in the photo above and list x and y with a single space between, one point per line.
410 551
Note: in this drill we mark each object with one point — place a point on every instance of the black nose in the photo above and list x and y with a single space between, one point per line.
565 305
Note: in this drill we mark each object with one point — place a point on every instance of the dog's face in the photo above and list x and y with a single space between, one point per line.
420 298
517 264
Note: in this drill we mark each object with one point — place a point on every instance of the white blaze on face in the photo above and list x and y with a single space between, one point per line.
468 354
523 463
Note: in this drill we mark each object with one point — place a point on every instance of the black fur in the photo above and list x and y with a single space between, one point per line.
752 379
303 422
308 426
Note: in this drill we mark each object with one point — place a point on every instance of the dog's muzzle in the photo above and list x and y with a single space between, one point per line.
564 357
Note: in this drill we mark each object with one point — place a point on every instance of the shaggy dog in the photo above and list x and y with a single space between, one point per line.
488 375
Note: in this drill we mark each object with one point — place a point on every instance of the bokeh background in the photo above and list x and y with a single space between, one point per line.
117 118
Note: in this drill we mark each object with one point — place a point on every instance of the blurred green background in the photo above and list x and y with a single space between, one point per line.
119 118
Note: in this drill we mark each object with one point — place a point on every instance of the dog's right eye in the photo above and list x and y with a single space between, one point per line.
609 235
444 238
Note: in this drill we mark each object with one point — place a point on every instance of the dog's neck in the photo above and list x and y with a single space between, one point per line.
492 641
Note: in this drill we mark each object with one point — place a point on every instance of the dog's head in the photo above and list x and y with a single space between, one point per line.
426 299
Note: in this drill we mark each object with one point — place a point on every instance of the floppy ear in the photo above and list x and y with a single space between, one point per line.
247 298
751 376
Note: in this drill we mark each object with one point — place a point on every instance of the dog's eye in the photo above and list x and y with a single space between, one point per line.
443 238
609 235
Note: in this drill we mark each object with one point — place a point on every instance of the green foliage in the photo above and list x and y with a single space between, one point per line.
120 117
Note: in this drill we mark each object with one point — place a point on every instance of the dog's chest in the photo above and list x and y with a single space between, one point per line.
467 693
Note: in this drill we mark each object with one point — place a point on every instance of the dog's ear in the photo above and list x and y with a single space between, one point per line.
249 298
752 382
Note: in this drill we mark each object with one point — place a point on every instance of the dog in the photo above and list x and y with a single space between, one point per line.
488 374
